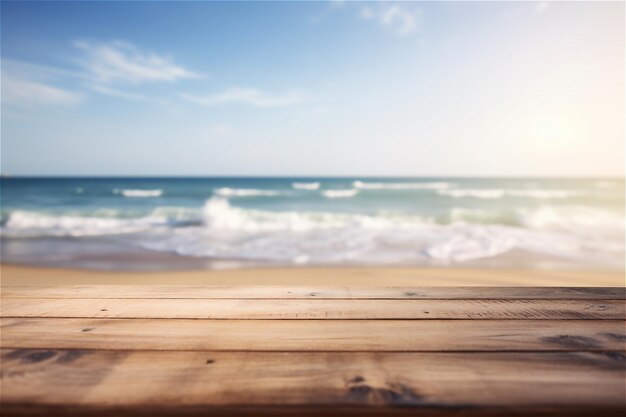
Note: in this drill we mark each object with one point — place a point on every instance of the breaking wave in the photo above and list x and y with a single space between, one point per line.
499 193
221 230
29 224
239 192
401 185
340 193
139 193
306 185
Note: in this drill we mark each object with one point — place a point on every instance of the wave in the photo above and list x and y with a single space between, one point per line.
139 193
340 193
306 185
31 224
401 185
309 237
240 192
218 214
221 230
499 193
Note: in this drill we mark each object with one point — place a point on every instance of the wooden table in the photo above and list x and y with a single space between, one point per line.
172 350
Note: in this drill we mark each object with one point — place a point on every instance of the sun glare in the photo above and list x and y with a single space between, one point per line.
555 133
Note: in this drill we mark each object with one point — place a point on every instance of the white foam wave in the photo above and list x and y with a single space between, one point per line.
581 219
499 193
241 192
218 214
224 231
139 193
401 185
340 193
306 185
31 224
309 237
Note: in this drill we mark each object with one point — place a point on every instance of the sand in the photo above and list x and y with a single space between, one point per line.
318 276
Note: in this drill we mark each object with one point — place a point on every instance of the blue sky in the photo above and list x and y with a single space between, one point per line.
313 88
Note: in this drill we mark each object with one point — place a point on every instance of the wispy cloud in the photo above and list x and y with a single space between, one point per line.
123 62
250 96
21 91
112 92
401 18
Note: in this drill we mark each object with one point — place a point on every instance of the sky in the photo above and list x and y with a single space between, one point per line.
313 88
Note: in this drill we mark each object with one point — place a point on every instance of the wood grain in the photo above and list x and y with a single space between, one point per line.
314 335
268 292
256 309
212 379
167 350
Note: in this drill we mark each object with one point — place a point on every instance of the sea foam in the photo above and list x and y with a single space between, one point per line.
32 224
222 230
387 237
340 193
401 185
499 193
139 193
239 192
306 185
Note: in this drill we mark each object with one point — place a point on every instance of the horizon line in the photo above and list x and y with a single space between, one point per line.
351 176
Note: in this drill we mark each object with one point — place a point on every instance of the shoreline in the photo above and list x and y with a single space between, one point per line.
370 276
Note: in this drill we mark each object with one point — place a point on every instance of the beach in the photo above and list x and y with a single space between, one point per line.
13 275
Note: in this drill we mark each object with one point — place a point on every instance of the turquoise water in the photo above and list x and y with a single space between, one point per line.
155 223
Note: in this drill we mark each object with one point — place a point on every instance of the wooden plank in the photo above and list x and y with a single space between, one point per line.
255 309
199 382
314 335
268 292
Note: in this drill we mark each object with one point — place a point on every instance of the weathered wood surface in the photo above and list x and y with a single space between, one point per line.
314 335
266 378
282 309
162 350
268 292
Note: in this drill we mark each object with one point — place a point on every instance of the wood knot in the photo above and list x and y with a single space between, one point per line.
356 380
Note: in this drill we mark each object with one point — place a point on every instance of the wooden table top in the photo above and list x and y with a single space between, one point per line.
180 350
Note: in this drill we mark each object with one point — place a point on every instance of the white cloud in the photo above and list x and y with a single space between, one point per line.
121 61
108 91
21 91
251 96
403 19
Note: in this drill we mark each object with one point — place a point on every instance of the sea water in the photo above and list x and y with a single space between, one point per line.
157 223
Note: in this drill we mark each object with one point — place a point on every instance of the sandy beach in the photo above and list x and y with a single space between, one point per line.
311 276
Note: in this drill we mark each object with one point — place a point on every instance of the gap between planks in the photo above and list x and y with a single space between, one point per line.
281 309
268 292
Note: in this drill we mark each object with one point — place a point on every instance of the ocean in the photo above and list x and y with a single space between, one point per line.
189 223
